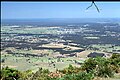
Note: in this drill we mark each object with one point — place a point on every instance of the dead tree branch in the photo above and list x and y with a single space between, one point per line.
94 5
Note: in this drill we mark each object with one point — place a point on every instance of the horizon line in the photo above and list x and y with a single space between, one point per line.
61 18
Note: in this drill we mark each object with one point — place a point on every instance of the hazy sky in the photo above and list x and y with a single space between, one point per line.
13 10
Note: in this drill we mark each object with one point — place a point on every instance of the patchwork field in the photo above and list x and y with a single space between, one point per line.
27 47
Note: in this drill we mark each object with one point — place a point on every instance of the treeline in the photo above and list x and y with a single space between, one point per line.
89 70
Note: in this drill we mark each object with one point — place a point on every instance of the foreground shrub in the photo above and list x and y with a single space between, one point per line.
41 74
26 75
78 76
9 74
101 67
115 62
89 65
104 71
56 74
70 70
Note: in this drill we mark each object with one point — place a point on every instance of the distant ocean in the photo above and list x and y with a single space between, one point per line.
56 21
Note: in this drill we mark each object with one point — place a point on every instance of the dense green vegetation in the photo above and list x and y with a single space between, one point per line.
91 68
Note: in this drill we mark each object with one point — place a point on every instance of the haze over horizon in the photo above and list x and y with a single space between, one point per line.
37 10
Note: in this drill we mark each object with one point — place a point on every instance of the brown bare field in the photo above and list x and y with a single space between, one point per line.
84 54
53 45
56 45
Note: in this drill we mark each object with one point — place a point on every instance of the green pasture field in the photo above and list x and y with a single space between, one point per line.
35 30
34 63
106 47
